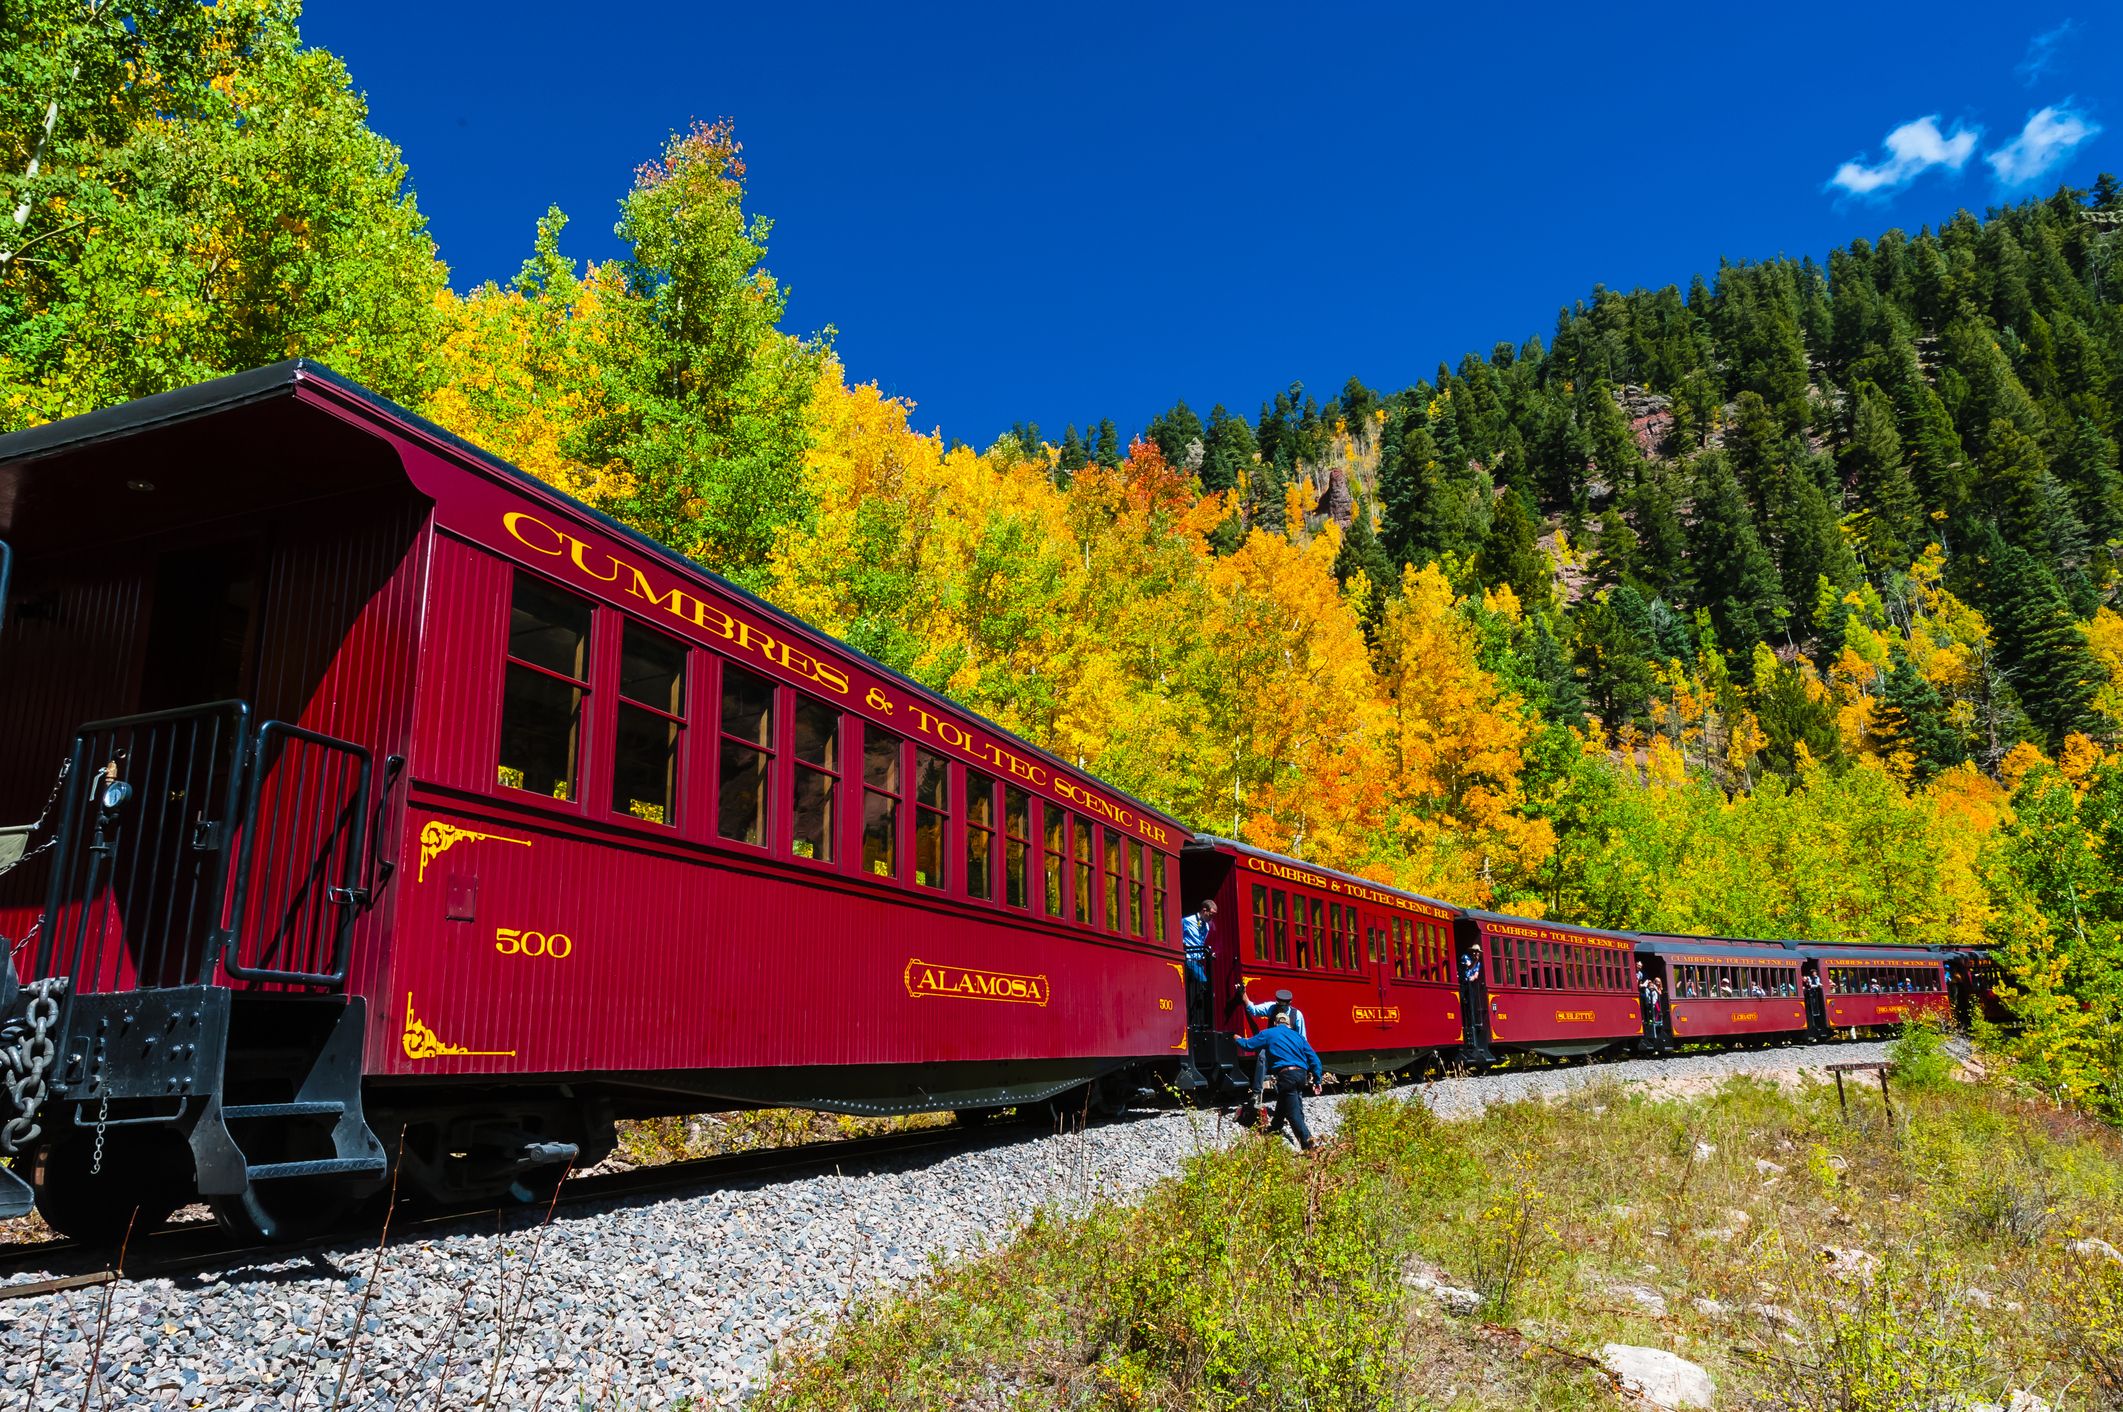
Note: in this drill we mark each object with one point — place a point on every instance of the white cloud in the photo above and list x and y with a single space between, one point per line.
2046 140
2042 52
1912 149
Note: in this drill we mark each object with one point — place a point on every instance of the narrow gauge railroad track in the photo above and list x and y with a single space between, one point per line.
200 1245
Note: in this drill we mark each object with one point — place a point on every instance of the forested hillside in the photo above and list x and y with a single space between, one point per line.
1783 605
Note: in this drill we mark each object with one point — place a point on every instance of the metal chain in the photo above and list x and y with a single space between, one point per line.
103 1119
24 1064
42 814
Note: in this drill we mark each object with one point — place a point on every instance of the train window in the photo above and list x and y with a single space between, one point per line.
1115 881
652 707
1080 836
932 801
543 688
1017 845
1138 863
1301 929
815 785
747 755
1279 902
1404 952
882 760
1335 944
1057 832
1157 895
980 836
1260 922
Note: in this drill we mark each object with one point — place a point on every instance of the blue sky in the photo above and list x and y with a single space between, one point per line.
1066 215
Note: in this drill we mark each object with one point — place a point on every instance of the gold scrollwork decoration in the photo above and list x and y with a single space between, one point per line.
420 1042
438 838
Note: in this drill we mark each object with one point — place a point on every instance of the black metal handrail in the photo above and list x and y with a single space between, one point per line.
297 921
7 570
142 846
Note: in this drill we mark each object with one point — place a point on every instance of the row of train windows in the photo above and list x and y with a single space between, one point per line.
1291 929
1696 982
1534 964
1077 870
1882 980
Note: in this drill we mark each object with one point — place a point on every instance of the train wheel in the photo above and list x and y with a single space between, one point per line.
144 1177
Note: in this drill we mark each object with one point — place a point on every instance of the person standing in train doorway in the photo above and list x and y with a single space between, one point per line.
1297 1066
1473 1021
1194 930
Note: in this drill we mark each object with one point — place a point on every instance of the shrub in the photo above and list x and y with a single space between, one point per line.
1921 1060
1899 1341
2080 1307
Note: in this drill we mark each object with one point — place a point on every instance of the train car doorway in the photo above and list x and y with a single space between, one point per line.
202 627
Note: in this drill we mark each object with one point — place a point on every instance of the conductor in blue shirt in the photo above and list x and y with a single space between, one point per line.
1296 1065
1194 930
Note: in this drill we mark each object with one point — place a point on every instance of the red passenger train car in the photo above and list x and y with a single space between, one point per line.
1722 989
1878 987
1370 966
409 803
1553 988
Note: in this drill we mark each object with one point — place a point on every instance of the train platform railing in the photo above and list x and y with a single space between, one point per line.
190 848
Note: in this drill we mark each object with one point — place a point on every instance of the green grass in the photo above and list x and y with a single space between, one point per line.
1260 1279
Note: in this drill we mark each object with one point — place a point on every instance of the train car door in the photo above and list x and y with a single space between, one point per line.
202 628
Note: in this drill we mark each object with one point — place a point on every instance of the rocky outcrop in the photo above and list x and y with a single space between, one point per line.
1654 1378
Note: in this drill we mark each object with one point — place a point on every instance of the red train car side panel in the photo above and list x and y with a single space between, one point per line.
1370 966
545 929
1558 987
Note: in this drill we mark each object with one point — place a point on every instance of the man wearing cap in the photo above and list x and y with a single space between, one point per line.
1283 1004
1297 1066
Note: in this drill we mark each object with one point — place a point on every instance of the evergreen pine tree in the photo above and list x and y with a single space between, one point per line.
1810 547
1609 655
1614 557
1228 452
1106 449
1178 434
1913 718
1872 465
1671 637
2043 653
1735 577
1073 455
1511 553
1791 715
1560 698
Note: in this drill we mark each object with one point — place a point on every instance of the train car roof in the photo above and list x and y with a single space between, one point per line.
1830 951
300 377
1213 841
1758 952
1664 941
1506 919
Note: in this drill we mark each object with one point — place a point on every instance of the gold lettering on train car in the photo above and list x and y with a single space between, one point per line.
1739 1015
931 978
1375 1014
673 602
515 519
1581 1017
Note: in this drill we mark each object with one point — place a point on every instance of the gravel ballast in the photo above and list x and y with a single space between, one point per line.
641 1303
